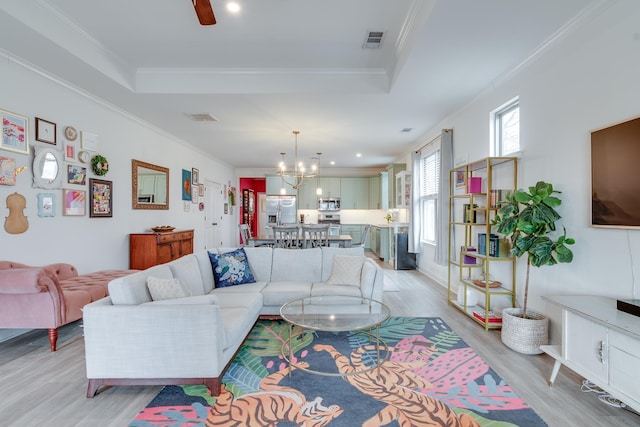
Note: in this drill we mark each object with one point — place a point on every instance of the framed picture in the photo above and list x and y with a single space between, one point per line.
45 131
46 204
186 185
15 132
7 171
76 174
100 198
461 179
194 194
195 176
89 141
69 151
201 190
75 202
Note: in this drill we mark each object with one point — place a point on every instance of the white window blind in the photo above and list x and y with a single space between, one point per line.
429 188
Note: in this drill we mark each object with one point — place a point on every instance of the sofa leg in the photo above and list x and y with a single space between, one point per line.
213 384
92 388
53 338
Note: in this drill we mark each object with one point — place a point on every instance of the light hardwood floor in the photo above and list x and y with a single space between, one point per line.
40 388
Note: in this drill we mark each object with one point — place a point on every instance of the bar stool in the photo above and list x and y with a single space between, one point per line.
286 236
315 235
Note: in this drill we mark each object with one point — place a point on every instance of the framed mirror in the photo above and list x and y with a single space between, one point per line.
47 168
149 186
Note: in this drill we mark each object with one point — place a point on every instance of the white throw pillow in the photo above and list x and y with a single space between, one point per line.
161 289
346 270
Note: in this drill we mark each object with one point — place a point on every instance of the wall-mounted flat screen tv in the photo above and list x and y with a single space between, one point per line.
615 176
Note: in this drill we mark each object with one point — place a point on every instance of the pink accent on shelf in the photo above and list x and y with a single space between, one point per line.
475 184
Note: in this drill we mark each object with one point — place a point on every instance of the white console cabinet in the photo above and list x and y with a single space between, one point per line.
600 343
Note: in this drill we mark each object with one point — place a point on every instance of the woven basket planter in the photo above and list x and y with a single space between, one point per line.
524 335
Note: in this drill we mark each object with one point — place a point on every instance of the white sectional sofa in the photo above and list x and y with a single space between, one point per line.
132 339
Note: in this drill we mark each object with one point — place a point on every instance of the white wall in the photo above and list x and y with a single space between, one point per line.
97 243
587 80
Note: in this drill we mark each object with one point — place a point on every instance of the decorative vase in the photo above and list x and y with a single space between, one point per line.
524 335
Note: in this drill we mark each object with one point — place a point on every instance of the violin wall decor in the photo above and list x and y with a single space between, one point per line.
16 222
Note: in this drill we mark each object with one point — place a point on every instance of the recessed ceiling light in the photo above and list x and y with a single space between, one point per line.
233 7
358 154
333 162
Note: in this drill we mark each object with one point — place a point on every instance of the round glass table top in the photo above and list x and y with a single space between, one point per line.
335 313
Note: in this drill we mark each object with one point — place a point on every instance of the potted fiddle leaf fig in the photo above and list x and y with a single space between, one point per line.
528 220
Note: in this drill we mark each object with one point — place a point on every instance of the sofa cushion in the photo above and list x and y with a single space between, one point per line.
302 265
278 293
246 287
324 289
260 260
206 272
161 289
234 322
187 269
132 289
346 270
231 268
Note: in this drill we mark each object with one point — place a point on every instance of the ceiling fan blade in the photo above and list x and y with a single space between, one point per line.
204 12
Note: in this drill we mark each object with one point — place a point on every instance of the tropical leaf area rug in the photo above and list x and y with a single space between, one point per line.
430 377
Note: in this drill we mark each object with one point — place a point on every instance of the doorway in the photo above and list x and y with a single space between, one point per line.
213 202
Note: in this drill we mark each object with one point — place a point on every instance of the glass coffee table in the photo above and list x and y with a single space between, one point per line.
335 313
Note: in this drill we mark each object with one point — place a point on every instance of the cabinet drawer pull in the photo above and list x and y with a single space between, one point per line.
601 352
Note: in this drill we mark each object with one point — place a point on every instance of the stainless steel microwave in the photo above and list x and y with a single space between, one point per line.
328 204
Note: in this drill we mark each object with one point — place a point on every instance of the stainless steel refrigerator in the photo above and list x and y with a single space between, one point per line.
281 210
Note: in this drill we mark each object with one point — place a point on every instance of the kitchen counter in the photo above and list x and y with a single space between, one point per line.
394 225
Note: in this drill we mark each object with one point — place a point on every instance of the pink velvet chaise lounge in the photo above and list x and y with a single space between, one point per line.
48 297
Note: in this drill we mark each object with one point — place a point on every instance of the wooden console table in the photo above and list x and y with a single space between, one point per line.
149 249
600 343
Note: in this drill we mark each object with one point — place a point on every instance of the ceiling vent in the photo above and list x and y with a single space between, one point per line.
373 40
201 117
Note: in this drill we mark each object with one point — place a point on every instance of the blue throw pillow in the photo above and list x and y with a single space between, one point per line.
231 268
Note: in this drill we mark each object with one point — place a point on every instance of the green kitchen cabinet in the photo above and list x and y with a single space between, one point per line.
375 192
307 197
392 171
354 193
330 186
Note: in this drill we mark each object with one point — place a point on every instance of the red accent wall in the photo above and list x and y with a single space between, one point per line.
258 185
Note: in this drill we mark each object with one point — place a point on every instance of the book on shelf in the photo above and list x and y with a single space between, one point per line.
497 196
482 243
466 259
469 213
475 185
494 317
497 247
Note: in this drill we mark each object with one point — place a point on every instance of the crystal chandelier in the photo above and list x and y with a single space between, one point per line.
297 175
